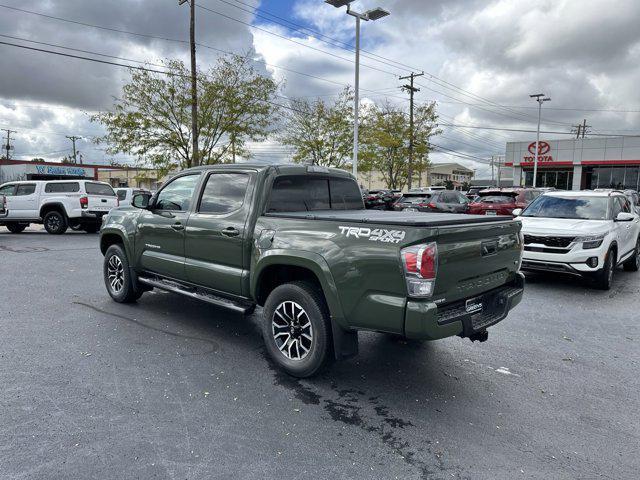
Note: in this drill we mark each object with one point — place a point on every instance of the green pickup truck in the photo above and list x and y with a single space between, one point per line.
296 240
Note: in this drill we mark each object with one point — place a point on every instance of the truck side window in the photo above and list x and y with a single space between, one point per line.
25 189
7 190
177 194
224 193
66 187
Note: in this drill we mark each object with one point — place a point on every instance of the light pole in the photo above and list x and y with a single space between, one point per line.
374 14
540 98
194 83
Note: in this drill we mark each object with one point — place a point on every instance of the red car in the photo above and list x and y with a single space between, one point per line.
502 201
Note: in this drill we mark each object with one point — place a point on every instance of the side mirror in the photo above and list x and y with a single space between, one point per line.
141 200
624 217
516 212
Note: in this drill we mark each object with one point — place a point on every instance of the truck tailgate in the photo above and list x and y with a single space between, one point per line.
473 259
101 203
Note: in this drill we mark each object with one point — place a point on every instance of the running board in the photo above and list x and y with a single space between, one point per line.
199 294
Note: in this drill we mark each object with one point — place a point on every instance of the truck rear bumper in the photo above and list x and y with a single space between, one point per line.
426 321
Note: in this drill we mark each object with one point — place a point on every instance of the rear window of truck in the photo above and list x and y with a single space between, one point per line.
306 193
99 189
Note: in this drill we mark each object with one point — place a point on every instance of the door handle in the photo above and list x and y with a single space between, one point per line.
230 232
177 226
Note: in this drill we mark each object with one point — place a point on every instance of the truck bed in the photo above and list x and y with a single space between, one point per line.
412 219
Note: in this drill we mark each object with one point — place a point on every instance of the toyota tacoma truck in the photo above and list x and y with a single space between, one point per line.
58 204
297 241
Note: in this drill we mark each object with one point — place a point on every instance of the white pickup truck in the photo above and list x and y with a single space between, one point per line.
58 204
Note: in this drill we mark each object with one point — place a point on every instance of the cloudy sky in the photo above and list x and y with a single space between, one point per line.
481 61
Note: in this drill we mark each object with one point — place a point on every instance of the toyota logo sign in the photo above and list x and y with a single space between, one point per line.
543 148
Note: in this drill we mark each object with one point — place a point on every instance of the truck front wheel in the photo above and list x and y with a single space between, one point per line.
117 276
296 328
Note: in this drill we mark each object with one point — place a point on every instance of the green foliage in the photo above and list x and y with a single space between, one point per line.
37 160
384 141
320 133
152 119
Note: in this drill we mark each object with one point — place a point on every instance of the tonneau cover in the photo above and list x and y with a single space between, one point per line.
413 219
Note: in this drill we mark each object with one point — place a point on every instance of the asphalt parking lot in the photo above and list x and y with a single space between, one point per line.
172 388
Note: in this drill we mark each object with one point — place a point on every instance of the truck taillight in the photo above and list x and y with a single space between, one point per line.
431 205
84 202
420 267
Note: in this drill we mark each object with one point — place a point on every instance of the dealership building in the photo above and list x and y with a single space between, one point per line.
586 163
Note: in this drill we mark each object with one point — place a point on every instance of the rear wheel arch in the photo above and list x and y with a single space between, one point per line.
278 269
54 206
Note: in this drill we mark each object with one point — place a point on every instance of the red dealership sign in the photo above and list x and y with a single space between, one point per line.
543 149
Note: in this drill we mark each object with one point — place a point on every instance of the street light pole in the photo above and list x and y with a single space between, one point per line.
374 14
540 98
356 106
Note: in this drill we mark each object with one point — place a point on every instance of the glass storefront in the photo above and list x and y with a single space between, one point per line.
625 177
560 179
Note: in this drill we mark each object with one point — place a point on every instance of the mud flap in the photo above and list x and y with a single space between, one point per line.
345 342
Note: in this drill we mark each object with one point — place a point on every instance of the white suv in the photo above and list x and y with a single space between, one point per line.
583 233
57 204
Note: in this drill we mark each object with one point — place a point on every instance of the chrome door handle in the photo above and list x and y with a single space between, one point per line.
177 226
230 232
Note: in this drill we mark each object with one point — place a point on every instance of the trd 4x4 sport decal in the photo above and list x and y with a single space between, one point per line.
374 234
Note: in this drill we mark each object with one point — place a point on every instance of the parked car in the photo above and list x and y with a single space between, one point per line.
583 233
297 240
502 201
473 191
427 189
440 201
58 204
126 194
413 202
381 199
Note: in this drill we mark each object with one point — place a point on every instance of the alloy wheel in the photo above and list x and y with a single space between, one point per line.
292 330
115 274
53 222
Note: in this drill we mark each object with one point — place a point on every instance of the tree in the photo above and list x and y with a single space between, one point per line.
385 141
320 133
152 119
37 160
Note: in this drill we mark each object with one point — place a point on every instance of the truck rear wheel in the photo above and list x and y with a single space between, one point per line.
296 328
55 223
16 227
117 276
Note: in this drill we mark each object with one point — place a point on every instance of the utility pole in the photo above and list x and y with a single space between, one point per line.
540 98
7 147
581 129
194 82
412 90
73 139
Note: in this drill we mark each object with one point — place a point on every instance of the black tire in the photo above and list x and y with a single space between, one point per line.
16 227
604 277
633 264
310 300
117 276
91 228
55 222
